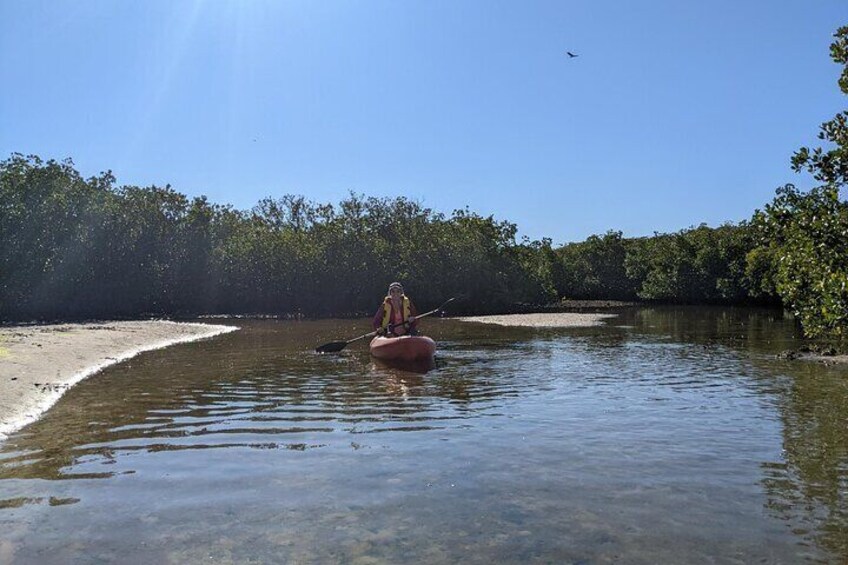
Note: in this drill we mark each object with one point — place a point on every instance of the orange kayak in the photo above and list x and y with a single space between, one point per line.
403 348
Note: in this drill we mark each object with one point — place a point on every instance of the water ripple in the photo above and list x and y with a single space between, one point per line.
538 434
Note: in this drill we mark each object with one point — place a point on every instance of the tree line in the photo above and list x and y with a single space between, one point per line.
76 248
80 248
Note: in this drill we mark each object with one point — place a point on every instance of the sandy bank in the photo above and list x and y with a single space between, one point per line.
555 320
39 363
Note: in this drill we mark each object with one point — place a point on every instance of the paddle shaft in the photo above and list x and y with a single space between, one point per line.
424 315
339 345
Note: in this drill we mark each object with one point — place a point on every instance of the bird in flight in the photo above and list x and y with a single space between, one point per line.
571 55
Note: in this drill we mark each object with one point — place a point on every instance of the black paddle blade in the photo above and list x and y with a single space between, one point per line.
332 347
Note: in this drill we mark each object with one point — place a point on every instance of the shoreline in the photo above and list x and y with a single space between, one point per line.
805 353
545 320
38 363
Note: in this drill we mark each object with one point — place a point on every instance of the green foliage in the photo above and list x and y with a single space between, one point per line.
761 272
830 166
595 268
696 265
86 248
803 238
806 237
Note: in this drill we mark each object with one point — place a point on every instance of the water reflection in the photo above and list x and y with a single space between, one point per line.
659 438
807 486
397 368
755 329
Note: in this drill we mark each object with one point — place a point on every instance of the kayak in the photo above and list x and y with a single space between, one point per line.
403 348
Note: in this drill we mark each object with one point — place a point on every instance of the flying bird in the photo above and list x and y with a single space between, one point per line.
571 55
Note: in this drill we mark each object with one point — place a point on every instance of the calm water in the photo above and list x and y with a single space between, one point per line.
669 435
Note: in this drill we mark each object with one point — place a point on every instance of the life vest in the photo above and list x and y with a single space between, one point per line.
387 310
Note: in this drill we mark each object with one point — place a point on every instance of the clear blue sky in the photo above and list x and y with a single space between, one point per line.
674 113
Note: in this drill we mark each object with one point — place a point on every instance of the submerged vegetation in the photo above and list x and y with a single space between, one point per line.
75 247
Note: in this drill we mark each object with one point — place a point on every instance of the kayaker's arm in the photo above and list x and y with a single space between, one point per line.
377 321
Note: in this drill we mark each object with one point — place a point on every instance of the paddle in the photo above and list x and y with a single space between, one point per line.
336 346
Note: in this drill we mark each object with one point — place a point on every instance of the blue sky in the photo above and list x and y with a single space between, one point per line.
674 113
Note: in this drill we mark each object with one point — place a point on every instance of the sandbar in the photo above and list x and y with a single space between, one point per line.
545 320
38 363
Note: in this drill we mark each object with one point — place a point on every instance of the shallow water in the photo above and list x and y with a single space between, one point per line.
669 435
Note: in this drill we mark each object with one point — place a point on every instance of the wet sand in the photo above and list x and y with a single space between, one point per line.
39 363
547 320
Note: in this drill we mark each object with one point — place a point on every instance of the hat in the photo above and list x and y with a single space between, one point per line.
395 285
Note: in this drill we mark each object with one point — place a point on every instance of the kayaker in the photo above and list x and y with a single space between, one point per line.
396 309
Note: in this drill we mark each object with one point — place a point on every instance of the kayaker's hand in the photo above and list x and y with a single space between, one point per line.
412 319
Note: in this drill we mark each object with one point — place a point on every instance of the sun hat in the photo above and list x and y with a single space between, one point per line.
395 285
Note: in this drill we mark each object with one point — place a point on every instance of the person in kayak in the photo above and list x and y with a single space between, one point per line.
396 309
